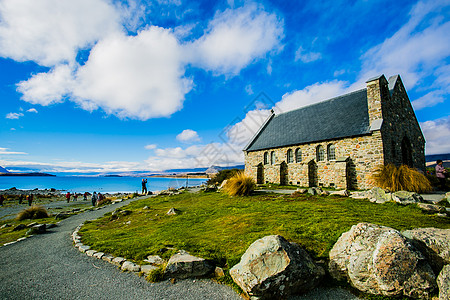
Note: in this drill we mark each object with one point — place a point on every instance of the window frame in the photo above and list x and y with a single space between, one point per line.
331 147
272 158
266 158
297 151
320 153
289 156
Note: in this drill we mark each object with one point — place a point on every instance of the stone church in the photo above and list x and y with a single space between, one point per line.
339 142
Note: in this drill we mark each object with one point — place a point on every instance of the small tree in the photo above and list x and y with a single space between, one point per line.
402 178
240 185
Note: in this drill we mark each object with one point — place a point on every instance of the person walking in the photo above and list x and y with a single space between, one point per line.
75 197
20 198
94 199
68 197
144 186
30 199
440 174
85 196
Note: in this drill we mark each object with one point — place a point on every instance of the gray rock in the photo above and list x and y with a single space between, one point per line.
405 197
146 207
301 191
443 282
84 248
99 255
108 258
434 243
222 185
32 224
183 265
172 212
130 266
5 226
118 261
342 193
447 196
315 190
51 225
146 269
379 260
154 260
218 272
431 208
274 268
37 229
90 252
359 195
379 195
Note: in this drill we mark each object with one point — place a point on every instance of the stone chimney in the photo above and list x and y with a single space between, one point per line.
377 95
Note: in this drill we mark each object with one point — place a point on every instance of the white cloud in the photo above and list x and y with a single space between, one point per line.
6 151
419 49
14 115
47 88
235 38
428 100
306 57
188 136
248 89
437 135
150 146
32 110
52 31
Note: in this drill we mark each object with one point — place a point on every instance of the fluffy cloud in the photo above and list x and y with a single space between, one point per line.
188 136
140 76
437 135
52 31
150 146
235 38
14 115
32 110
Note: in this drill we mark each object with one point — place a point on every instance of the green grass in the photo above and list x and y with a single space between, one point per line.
216 226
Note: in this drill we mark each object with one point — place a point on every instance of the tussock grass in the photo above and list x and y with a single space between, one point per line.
240 185
402 178
33 212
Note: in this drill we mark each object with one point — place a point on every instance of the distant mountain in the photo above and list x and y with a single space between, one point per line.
3 170
25 174
197 170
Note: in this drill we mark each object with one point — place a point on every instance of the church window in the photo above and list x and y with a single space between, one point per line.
320 153
266 158
331 152
298 155
290 157
272 157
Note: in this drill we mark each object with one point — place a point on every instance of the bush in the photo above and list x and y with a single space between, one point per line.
222 175
104 201
33 212
156 275
240 185
402 178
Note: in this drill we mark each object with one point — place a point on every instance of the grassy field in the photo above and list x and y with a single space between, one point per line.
219 227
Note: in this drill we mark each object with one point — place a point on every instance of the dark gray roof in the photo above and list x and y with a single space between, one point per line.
339 117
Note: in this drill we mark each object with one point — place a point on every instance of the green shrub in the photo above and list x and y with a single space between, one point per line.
33 212
222 175
103 202
156 275
240 185
402 178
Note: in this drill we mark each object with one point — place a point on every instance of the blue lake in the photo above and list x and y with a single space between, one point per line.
91 184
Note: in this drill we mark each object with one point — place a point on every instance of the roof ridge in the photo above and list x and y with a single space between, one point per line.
324 101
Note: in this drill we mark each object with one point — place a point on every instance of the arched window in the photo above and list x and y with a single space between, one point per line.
272 158
298 155
266 158
290 157
331 152
320 153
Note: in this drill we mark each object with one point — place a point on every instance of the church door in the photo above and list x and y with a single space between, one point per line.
284 173
312 173
406 152
260 174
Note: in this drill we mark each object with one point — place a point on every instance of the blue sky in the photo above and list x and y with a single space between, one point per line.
119 86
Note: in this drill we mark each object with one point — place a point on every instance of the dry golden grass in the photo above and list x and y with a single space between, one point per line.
402 178
33 212
240 185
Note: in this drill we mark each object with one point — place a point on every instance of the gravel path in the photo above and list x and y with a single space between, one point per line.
48 267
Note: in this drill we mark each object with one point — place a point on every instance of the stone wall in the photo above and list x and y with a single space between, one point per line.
356 159
400 124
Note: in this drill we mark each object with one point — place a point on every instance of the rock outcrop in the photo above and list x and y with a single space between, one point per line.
380 260
404 197
443 282
274 268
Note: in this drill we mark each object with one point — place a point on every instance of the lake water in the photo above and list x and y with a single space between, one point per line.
91 184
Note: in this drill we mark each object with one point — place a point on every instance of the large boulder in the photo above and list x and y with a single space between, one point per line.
379 195
404 197
274 268
379 260
443 282
433 242
183 265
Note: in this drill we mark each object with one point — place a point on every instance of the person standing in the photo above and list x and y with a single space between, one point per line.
20 198
30 199
85 196
75 197
68 197
440 174
94 198
144 186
